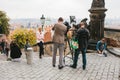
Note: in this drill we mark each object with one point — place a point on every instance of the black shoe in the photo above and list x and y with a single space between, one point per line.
40 57
84 67
42 53
72 66
53 65
105 54
60 67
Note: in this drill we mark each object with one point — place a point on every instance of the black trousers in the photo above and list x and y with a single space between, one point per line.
7 51
41 48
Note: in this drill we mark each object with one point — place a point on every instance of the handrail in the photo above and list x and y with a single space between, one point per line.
112 29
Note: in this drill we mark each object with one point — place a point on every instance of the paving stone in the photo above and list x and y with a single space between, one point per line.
98 68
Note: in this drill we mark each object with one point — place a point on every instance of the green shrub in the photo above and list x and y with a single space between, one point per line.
20 36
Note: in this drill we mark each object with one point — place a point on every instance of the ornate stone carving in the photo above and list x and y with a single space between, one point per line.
97 19
98 3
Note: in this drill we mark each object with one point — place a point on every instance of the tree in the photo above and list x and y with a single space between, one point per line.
4 25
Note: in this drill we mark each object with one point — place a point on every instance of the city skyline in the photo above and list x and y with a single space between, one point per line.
54 8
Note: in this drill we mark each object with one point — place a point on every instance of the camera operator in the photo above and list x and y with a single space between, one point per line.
82 35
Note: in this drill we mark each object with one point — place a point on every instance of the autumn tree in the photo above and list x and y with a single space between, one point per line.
20 35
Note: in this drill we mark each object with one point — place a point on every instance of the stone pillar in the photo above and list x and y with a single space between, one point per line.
97 19
96 24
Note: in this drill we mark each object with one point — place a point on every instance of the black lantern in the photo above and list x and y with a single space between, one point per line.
42 21
72 19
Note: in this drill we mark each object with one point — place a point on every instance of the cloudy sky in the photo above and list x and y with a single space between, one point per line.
55 8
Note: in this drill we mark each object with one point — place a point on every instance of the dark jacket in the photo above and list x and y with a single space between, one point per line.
3 45
27 45
15 51
83 37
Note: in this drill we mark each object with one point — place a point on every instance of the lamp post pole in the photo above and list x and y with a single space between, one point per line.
42 21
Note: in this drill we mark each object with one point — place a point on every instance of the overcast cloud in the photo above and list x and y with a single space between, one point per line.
55 8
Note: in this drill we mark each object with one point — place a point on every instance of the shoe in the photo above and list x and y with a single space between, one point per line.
42 53
40 57
84 67
9 59
105 54
60 67
72 66
53 65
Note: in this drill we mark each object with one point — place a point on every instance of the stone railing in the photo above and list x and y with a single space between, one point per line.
112 29
113 36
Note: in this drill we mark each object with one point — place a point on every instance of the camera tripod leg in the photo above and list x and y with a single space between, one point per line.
71 51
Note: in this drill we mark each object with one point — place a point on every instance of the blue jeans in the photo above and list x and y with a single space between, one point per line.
77 52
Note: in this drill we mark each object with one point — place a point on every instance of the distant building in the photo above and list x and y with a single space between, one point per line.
29 25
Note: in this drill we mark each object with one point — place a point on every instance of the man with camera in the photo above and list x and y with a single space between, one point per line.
58 39
82 35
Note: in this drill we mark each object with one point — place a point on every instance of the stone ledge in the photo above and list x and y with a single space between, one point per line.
114 51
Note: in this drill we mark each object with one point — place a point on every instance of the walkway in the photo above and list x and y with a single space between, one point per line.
98 68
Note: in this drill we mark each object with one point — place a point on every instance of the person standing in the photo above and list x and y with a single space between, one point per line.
101 47
3 46
7 48
40 41
59 40
82 36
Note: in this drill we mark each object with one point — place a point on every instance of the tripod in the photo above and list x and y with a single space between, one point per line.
70 52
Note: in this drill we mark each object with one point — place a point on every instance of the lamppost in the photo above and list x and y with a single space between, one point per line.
42 21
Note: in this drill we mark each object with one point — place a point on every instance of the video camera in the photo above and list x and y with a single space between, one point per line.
72 19
68 26
73 22
77 26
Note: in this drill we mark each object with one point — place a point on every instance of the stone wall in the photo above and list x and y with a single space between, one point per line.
113 38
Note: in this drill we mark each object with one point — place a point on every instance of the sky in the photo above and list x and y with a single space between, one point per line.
55 8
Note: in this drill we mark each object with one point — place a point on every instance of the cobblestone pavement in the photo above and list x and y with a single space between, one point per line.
98 68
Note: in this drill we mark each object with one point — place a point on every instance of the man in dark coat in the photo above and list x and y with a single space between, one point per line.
82 36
